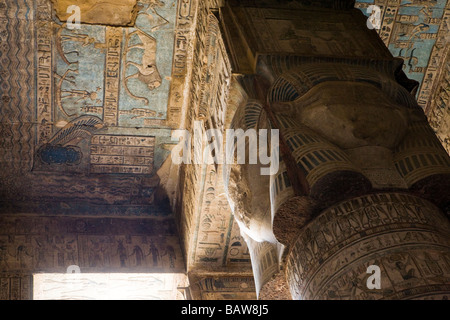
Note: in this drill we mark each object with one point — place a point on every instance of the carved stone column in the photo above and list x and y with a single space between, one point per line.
362 179
403 235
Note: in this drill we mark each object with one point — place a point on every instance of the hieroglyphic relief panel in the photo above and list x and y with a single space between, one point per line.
97 245
133 252
60 87
401 278
238 253
222 287
15 286
111 286
97 78
182 61
211 237
211 91
212 224
188 188
270 31
44 90
46 244
405 236
215 78
135 63
437 60
68 195
122 154
416 31
217 241
439 109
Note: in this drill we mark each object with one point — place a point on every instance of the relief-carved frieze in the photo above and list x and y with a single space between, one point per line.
417 32
391 231
96 245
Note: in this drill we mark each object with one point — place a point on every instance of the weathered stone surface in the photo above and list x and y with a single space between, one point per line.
405 236
276 289
351 128
105 12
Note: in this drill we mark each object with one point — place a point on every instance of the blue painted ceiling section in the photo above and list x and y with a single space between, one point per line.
410 28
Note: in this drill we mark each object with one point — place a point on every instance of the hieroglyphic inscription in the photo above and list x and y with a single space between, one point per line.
374 229
188 195
122 154
15 286
210 236
185 21
124 251
439 111
403 273
46 244
222 288
112 75
182 50
216 81
437 58
238 252
213 222
44 72
388 24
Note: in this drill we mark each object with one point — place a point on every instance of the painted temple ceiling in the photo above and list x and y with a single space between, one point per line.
87 114
84 114
85 130
416 31
419 32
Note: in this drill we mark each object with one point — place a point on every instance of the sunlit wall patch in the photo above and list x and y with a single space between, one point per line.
109 286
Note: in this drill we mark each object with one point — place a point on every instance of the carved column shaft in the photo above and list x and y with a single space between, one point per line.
404 236
376 177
